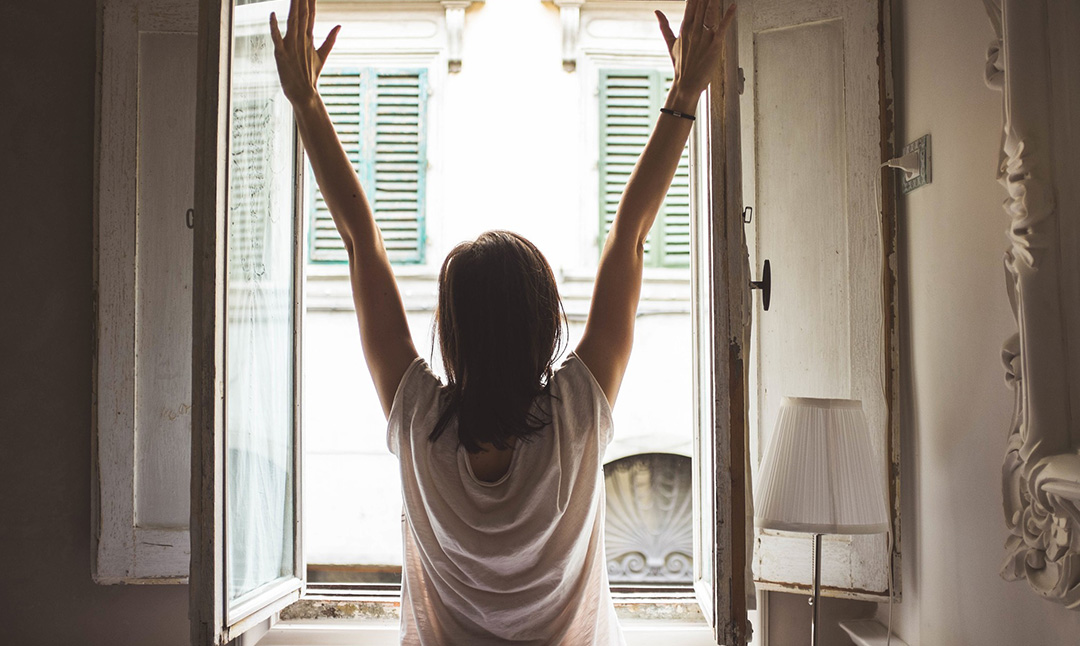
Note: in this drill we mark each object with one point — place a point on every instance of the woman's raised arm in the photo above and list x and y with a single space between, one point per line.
384 330
609 332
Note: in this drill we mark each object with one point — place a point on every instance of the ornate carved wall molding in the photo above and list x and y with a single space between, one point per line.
1037 68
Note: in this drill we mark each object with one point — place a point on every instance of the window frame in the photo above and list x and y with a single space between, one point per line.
159 18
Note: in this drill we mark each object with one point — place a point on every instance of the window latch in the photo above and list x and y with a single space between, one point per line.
189 218
748 215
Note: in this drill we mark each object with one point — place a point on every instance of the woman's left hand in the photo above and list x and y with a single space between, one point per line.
696 51
298 62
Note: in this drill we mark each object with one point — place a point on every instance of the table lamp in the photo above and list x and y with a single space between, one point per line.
818 476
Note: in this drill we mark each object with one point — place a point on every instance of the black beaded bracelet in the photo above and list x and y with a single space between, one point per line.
676 113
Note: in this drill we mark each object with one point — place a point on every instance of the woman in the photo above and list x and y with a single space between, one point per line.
501 467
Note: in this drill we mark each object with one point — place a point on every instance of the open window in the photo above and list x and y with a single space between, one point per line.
143 421
246 558
250 205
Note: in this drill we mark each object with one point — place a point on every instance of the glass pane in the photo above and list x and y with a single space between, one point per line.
259 478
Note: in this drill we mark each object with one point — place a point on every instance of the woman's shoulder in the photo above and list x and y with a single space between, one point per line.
416 400
573 370
575 381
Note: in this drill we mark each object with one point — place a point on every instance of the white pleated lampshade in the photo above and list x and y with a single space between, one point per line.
818 475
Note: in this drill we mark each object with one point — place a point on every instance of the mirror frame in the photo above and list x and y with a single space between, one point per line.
1030 64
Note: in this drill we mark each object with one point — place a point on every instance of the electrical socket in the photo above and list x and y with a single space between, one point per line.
925 176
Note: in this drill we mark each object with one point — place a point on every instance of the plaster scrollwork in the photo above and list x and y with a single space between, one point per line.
649 528
1041 470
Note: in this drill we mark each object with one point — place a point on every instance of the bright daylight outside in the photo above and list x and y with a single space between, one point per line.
524 135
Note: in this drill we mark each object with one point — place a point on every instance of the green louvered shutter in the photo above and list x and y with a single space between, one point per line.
674 219
630 101
342 93
380 117
400 160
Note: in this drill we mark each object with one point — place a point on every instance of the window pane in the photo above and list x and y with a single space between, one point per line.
259 299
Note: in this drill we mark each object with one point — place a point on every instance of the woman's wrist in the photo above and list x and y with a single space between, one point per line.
680 100
305 104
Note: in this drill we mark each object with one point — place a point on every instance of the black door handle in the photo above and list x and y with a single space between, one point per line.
765 285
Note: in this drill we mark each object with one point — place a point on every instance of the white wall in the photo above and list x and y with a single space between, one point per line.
955 316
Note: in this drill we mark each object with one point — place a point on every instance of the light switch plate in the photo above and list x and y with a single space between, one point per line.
925 176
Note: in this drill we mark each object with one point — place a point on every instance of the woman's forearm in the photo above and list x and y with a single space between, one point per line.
384 328
338 181
655 169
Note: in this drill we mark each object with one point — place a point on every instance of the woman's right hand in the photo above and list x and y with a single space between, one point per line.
298 62
696 51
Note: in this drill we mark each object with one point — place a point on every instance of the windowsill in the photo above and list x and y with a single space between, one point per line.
366 603
333 614
638 633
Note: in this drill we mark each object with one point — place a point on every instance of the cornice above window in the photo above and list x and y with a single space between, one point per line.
570 17
455 20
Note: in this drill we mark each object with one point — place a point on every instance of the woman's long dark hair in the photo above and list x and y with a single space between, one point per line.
500 327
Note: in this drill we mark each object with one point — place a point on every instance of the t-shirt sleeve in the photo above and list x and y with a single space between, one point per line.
590 404
417 390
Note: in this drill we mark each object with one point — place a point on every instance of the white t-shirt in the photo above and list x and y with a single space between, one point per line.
517 561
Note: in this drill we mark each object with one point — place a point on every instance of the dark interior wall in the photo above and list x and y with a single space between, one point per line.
47 596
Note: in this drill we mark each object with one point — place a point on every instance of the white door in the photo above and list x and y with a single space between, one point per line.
246 557
816 121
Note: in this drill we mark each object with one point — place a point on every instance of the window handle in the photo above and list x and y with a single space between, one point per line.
765 285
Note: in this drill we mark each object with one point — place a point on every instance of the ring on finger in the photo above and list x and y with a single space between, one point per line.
706 27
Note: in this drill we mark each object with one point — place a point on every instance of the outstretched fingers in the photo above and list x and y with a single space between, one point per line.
729 16
328 44
303 14
275 33
697 14
294 18
711 16
665 29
